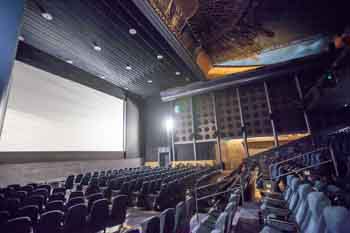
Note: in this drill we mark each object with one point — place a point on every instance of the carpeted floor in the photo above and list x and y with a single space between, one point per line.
248 219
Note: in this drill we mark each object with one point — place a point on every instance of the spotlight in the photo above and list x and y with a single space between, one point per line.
47 16
126 88
128 67
97 47
132 31
169 124
69 61
177 73
160 57
102 76
150 81
21 38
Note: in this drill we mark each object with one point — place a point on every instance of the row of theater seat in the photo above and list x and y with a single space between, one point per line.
38 207
300 208
76 218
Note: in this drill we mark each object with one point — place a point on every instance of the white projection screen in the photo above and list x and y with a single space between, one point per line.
49 113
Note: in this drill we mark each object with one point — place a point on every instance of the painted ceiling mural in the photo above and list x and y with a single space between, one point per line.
228 31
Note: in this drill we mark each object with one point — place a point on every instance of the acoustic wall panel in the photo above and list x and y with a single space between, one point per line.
228 116
255 110
286 106
204 118
183 121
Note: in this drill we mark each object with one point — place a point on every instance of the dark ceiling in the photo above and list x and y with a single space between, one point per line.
79 25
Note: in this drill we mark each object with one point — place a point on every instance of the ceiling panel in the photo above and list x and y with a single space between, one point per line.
79 25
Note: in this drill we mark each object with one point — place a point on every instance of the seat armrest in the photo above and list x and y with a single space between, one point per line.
278 211
271 194
282 225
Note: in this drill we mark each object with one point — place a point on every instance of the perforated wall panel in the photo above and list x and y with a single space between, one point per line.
183 121
286 106
204 117
227 110
255 110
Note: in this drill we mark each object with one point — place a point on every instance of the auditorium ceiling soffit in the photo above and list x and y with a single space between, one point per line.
248 34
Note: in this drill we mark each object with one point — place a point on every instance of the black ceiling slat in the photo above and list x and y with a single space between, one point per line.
78 24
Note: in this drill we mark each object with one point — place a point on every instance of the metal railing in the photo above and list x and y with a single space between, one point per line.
332 160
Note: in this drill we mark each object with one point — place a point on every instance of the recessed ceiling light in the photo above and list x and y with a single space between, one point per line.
97 47
69 61
160 57
21 38
47 16
177 73
149 81
128 67
132 31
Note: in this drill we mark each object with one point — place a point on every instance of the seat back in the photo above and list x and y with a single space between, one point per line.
50 221
337 219
18 225
75 201
31 211
4 216
293 201
75 220
55 205
317 202
92 198
76 194
222 222
119 208
151 225
99 215
167 221
57 197
180 218
303 206
37 200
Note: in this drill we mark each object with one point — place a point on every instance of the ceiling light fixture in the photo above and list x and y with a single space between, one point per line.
132 31
97 47
69 61
102 76
21 38
128 67
160 57
177 73
150 81
47 16
126 88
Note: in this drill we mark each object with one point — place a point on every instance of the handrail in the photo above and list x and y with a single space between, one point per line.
296 157
304 168
215 194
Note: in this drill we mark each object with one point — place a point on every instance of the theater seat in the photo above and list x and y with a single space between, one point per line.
18 225
98 217
151 225
118 211
50 221
337 219
167 221
75 220
31 211
180 218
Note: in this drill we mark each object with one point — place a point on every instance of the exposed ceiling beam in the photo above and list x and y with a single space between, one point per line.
145 7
